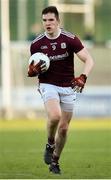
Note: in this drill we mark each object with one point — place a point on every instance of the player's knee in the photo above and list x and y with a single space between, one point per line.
63 130
55 117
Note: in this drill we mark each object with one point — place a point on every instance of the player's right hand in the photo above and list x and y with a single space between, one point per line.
35 70
40 67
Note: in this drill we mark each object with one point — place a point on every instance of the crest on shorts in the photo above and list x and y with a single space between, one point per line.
63 45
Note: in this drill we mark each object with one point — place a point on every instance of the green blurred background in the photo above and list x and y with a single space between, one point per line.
22 140
102 9
92 24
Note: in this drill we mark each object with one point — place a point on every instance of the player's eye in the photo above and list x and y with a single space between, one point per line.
44 20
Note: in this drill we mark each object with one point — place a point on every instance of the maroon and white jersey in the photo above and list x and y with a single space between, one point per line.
61 53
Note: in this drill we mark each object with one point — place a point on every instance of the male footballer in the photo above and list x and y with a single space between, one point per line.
58 85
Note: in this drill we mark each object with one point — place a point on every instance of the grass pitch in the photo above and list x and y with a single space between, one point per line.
87 153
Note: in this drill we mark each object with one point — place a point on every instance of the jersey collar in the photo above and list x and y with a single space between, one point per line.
59 32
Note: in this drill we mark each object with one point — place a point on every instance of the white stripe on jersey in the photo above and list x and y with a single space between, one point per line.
40 36
68 34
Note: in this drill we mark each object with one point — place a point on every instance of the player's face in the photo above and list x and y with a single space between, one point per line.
50 23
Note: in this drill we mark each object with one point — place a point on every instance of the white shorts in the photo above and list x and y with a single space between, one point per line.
65 95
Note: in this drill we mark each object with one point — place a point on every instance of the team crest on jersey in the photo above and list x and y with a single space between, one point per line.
63 45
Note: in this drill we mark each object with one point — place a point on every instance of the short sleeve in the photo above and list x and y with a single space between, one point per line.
76 44
35 45
34 48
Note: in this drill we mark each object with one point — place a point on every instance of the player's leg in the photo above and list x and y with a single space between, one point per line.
60 140
67 98
62 132
54 115
51 100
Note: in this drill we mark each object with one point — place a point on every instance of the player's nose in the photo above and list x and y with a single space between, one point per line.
47 23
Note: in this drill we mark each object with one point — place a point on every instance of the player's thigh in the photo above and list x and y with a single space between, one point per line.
48 92
53 109
67 99
66 118
51 100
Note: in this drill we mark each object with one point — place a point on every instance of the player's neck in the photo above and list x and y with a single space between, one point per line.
53 35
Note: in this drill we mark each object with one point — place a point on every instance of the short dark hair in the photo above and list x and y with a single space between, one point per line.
51 9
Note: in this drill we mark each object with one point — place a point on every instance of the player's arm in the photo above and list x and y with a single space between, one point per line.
86 58
79 82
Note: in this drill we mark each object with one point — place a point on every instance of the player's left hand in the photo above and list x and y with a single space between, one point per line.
78 83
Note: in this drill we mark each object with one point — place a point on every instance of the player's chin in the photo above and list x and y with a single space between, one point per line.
49 31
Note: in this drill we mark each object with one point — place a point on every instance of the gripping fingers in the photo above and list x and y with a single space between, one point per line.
43 67
77 89
40 67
